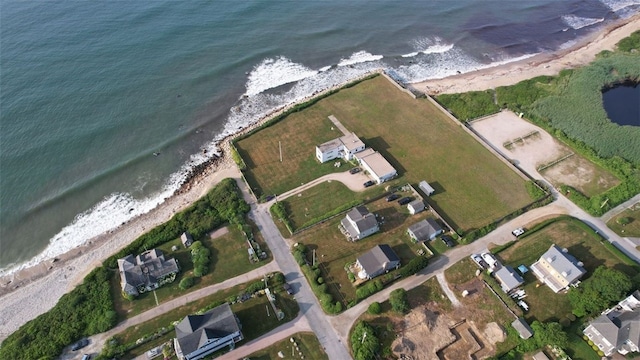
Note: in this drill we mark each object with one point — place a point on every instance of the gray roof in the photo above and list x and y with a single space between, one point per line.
509 278
376 162
424 186
330 145
351 142
523 328
362 218
618 330
417 205
195 330
423 230
186 238
146 268
564 263
374 259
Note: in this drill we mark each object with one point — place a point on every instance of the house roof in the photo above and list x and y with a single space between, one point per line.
618 328
362 220
374 259
145 268
351 142
522 327
376 162
186 237
424 229
417 205
564 263
330 145
540 356
509 278
195 330
424 186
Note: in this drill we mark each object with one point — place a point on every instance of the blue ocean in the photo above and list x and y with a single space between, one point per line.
106 106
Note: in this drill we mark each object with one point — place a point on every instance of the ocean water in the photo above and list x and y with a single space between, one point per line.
89 91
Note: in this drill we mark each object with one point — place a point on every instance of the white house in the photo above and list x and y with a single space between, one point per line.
377 166
558 269
343 147
359 223
415 207
198 336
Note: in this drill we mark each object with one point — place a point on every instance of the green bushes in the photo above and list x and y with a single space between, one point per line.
187 282
470 105
85 311
364 342
374 308
279 211
534 188
318 286
224 203
399 301
630 43
416 264
369 288
200 256
602 289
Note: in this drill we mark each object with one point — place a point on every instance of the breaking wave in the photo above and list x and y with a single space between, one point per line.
576 22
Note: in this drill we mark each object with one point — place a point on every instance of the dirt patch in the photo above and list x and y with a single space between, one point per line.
219 232
532 148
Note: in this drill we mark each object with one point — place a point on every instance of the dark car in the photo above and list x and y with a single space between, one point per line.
447 240
80 344
355 170
368 183
393 197
404 200
287 288
269 198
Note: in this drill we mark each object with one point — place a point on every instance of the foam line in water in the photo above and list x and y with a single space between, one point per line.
359 57
271 73
577 22
428 45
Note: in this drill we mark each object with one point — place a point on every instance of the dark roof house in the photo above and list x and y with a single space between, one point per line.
416 206
617 329
186 239
198 336
377 261
424 230
146 271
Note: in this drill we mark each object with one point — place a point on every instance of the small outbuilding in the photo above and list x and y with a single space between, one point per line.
186 239
509 279
524 330
415 207
426 188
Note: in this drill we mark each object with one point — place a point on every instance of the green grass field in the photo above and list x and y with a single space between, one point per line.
631 229
473 187
581 242
251 313
308 346
334 251
229 258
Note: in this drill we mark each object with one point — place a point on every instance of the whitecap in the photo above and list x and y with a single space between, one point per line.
577 22
271 73
359 57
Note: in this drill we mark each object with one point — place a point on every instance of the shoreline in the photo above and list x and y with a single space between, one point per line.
579 54
32 291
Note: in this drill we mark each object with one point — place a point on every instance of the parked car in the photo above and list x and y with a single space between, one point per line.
287 288
392 197
490 260
448 241
478 260
405 200
80 344
269 197
86 357
519 231
369 183
355 170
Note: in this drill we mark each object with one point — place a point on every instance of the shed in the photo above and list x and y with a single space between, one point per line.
524 330
416 206
186 239
426 188
509 279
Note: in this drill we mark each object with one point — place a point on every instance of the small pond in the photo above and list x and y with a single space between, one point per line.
622 104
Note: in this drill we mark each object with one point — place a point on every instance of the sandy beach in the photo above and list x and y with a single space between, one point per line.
581 53
33 291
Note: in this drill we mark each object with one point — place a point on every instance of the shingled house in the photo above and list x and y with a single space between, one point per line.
146 272
359 223
198 336
377 261
617 329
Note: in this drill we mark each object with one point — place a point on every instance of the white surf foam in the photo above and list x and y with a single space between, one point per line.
618 6
359 57
577 22
271 73
428 45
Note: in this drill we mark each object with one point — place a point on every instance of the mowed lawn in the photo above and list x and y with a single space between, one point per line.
334 251
229 258
307 343
632 228
580 241
473 187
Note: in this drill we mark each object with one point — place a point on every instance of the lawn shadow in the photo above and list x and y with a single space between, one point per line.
583 254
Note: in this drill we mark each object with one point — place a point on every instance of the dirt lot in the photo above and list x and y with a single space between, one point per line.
531 148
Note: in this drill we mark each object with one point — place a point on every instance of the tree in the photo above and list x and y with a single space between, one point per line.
549 334
399 301
364 343
602 289
187 282
375 308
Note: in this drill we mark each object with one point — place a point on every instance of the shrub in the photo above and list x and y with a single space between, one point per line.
624 220
320 280
187 282
470 105
364 343
399 301
200 256
416 264
374 308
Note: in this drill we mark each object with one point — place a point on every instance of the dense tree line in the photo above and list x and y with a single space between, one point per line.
200 256
85 311
604 288
364 342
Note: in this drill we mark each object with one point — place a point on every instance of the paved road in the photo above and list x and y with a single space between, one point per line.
334 346
620 208
96 342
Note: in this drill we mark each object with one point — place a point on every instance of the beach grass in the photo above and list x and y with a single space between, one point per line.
334 251
473 187
229 258
307 343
